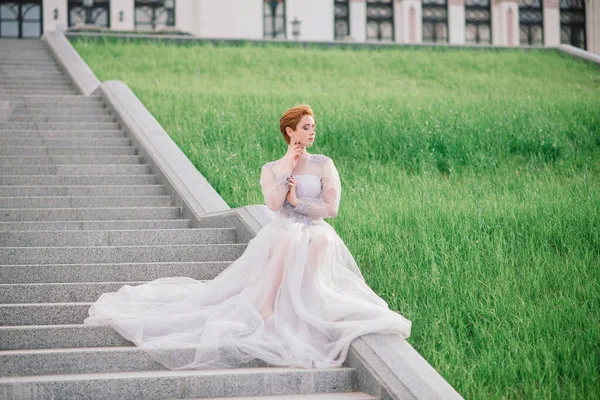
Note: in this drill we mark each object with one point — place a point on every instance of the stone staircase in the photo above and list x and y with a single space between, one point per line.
81 214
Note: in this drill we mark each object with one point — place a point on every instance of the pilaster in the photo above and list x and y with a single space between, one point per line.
551 23
122 15
456 21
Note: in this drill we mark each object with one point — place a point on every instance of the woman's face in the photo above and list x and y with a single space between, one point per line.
305 131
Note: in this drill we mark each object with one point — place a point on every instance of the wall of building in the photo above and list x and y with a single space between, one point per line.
243 19
316 19
126 9
228 19
51 24
358 22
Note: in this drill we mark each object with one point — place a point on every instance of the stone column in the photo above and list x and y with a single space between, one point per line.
551 23
593 26
358 20
61 22
408 21
456 21
187 16
127 8
505 23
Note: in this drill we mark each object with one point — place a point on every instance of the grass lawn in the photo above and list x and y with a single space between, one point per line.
471 192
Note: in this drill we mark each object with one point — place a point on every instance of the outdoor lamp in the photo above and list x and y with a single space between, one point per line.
121 16
55 14
296 27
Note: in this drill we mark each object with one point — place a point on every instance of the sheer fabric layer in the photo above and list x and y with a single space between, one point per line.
294 298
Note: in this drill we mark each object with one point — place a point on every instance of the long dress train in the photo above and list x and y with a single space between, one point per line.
295 297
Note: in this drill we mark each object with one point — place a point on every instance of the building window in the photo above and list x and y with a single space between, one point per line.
531 22
97 14
21 19
380 20
274 19
572 23
478 22
150 14
342 19
435 21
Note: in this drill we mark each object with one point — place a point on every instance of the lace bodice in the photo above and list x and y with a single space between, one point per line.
318 187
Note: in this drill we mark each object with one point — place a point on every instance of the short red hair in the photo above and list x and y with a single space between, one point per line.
291 118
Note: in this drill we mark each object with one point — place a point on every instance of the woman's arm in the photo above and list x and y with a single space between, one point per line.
327 204
274 184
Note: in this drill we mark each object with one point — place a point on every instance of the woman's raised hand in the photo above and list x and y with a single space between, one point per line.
292 156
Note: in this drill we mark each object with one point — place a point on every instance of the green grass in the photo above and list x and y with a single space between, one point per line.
471 198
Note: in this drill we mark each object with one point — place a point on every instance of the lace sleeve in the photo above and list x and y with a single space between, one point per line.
327 204
273 182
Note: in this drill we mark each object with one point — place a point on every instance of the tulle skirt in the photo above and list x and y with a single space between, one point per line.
294 298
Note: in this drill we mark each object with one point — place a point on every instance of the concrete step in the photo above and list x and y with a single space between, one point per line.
14 68
133 271
67 150
25 74
33 81
73 118
102 169
87 360
89 214
30 63
60 125
45 101
93 225
150 385
36 91
81 202
43 313
59 337
316 396
77 180
92 109
115 190
32 44
51 101
119 254
65 134
22 293
28 84
66 159
189 236
76 361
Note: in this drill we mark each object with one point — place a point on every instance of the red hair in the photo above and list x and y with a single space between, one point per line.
291 118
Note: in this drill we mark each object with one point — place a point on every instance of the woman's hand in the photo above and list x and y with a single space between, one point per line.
291 194
292 155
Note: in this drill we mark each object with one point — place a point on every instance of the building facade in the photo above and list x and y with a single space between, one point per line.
491 22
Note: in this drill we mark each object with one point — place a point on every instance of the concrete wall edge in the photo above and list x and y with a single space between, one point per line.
71 62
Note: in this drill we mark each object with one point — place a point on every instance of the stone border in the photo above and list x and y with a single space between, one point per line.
236 42
386 366
577 52
71 62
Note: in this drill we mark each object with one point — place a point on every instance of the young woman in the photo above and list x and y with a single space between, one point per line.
294 298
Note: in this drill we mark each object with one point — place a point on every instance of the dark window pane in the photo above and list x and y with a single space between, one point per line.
10 29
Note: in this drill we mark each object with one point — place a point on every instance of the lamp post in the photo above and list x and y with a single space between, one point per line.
296 27
88 6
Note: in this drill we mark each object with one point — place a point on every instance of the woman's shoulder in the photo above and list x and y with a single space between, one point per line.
319 159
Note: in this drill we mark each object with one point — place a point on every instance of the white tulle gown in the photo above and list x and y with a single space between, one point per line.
294 298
